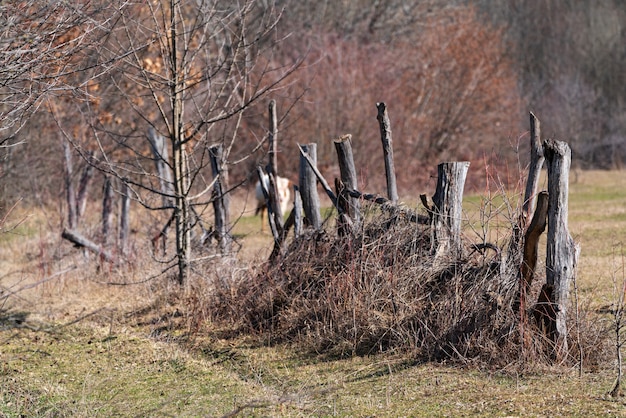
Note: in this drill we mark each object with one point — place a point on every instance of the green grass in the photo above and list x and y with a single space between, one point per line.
73 373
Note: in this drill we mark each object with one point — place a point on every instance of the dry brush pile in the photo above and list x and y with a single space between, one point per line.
381 290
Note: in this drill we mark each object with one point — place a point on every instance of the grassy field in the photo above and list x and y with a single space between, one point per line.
71 345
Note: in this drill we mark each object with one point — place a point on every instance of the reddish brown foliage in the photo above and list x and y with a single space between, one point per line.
451 94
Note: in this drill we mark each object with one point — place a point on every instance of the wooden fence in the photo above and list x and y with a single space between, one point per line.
540 209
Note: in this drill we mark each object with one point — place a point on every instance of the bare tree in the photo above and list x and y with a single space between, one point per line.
40 44
43 46
186 71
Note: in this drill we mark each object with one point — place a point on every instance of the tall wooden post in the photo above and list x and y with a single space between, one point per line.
308 188
385 136
161 162
347 171
562 252
447 210
220 200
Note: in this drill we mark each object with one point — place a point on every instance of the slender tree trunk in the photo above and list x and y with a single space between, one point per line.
272 170
69 186
220 201
531 242
181 212
181 175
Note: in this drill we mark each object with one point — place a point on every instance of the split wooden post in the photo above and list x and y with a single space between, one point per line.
347 170
447 209
562 252
220 200
308 187
385 136
536 163
524 243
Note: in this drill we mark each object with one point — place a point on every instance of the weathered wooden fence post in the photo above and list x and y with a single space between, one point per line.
447 210
220 200
308 187
385 136
166 183
347 171
562 251
161 162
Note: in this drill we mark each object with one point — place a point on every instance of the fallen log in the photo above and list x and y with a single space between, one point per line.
82 242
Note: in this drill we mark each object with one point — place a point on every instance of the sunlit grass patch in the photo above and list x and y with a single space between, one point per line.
83 372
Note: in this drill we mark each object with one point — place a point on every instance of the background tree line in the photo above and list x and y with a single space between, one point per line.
458 77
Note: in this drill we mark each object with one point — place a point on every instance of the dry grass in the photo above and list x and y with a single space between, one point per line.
75 346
